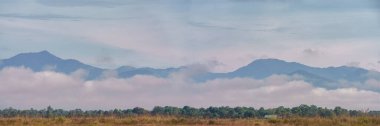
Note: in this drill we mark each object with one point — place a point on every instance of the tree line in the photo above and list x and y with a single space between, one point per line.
187 111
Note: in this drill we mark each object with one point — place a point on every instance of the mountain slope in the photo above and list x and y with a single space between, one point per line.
44 60
41 61
330 77
127 71
263 68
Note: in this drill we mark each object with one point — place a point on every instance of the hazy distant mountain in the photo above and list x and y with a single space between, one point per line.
44 60
325 77
263 68
330 77
127 71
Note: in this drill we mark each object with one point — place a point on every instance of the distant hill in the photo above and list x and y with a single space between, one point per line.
325 77
127 71
44 60
41 61
330 77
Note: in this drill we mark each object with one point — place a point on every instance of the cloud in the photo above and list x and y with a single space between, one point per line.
105 60
22 88
37 16
187 31
311 52
354 64
49 67
75 3
212 26
372 84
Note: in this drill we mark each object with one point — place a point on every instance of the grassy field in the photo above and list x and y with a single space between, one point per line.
163 121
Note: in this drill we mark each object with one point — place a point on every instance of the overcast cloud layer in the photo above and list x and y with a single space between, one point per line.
40 89
110 33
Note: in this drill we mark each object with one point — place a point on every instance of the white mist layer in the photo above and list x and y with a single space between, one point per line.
24 89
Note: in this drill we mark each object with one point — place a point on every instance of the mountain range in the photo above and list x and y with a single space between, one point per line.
330 77
44 60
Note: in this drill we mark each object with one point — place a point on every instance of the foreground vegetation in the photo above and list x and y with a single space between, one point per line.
186 111
164 121
296 116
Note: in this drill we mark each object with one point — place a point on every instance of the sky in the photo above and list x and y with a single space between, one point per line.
172 33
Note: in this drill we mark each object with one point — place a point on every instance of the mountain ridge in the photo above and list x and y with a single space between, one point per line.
328 77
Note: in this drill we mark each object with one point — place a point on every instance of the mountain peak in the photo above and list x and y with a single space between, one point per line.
44 60
271 62
268 60
42 55
35 60
44 52
262 68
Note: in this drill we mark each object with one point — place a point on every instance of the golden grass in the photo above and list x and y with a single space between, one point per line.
180 121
